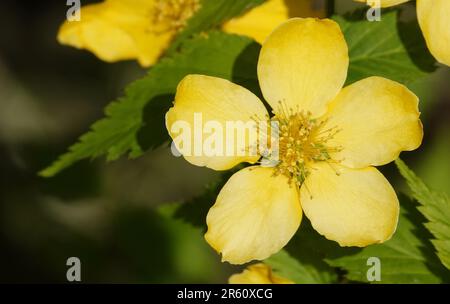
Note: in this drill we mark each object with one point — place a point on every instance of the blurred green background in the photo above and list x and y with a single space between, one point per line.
109 215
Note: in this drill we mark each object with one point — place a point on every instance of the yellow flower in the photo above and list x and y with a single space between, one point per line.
262 20
330 140
143 29
434 22
128 29
258 274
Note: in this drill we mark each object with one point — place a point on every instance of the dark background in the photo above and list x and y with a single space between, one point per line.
106 214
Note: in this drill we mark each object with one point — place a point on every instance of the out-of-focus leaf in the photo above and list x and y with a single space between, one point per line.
291 268
136 122
191 256
435 207
386 48
434 163
161 249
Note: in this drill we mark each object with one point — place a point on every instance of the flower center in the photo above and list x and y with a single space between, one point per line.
302 141
172 15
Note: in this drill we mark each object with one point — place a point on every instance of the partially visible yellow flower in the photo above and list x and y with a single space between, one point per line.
433 16
258 274
143 29
330 140
262 20
128 29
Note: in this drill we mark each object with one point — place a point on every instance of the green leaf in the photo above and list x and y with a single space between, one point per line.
286 266
386 48
213 13
302 260
436 209
406 258
136 121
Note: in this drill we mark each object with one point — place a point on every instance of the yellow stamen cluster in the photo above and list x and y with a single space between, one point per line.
172 15
302 141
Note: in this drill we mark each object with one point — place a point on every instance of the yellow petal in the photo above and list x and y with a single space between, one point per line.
303 64
216 101
435 23
258 274
378 118
116 30
358 207
259 22
255 215
383 3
